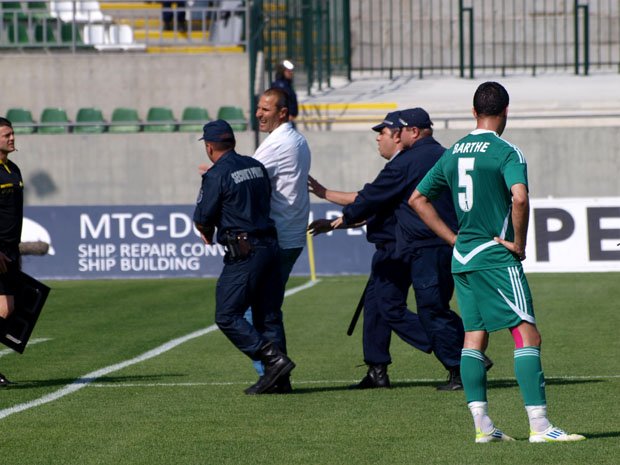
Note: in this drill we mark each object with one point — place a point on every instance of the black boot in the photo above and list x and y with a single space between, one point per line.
276 364
376 377
454 381
282 386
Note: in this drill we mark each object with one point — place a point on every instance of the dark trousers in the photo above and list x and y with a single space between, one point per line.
256 282
430 269
385 309
168 13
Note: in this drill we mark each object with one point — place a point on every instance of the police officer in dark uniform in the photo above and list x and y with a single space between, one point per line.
11 219
385 297
408 252
428 259
235 199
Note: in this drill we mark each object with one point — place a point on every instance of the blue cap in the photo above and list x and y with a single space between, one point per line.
391 120
217 131
416 118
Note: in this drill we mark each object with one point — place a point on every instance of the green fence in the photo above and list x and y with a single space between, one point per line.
314 34
465 37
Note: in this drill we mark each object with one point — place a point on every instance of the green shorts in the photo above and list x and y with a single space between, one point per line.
494 299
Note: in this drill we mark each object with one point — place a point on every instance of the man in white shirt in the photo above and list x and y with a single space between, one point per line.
286 155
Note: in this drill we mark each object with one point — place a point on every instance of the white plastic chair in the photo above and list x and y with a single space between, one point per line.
95 34
92 11
64 11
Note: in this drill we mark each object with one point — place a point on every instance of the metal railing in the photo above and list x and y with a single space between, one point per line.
314 34
421 37
78 26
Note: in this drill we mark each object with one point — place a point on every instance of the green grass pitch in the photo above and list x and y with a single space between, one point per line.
77 399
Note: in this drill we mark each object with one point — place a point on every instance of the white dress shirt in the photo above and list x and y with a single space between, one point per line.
286 155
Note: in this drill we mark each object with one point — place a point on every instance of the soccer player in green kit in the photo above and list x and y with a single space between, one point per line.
488 180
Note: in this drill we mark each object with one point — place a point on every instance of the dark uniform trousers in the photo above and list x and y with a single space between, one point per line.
385 309
253 281
430 269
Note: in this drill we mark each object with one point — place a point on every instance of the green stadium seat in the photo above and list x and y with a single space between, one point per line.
19 117
94 118
124 120
193 119
12 9
38 10
18 33
234 116
66 34
163 119
44 33
53 121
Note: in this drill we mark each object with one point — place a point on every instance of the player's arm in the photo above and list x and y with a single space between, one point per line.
520 220
427 212
337 197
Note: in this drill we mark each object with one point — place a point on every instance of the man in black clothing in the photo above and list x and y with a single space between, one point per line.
284 81
235 198
11 218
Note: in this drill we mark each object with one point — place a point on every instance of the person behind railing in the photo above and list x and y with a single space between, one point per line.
169 13
284 80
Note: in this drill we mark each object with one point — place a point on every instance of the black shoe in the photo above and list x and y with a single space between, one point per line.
3 381
488 363
282 386
276 364
376 377
454 381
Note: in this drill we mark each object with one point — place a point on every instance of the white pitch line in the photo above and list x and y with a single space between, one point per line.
4 352
94 375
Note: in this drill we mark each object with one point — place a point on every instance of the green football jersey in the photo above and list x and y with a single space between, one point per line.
479 170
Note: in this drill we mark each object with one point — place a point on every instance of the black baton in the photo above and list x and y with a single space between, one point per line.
358 310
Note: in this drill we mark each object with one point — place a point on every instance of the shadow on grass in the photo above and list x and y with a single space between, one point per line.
33 384
510 383
492 384
608 434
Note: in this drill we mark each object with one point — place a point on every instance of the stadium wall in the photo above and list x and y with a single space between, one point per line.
161 169
111 80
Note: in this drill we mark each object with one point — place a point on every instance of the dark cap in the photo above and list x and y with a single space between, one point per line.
415 117
391 120
217 131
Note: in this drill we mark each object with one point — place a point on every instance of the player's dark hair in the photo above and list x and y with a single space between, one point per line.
5 122
281 96
490 99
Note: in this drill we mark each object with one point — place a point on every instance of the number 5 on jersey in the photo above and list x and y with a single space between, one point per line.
466 199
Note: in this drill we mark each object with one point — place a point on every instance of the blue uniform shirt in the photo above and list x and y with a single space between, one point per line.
235 196
389 193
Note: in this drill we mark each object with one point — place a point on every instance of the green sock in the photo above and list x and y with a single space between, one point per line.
473 375
530 376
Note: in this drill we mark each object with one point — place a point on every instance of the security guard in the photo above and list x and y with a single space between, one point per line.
235 199
428 258
385 297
